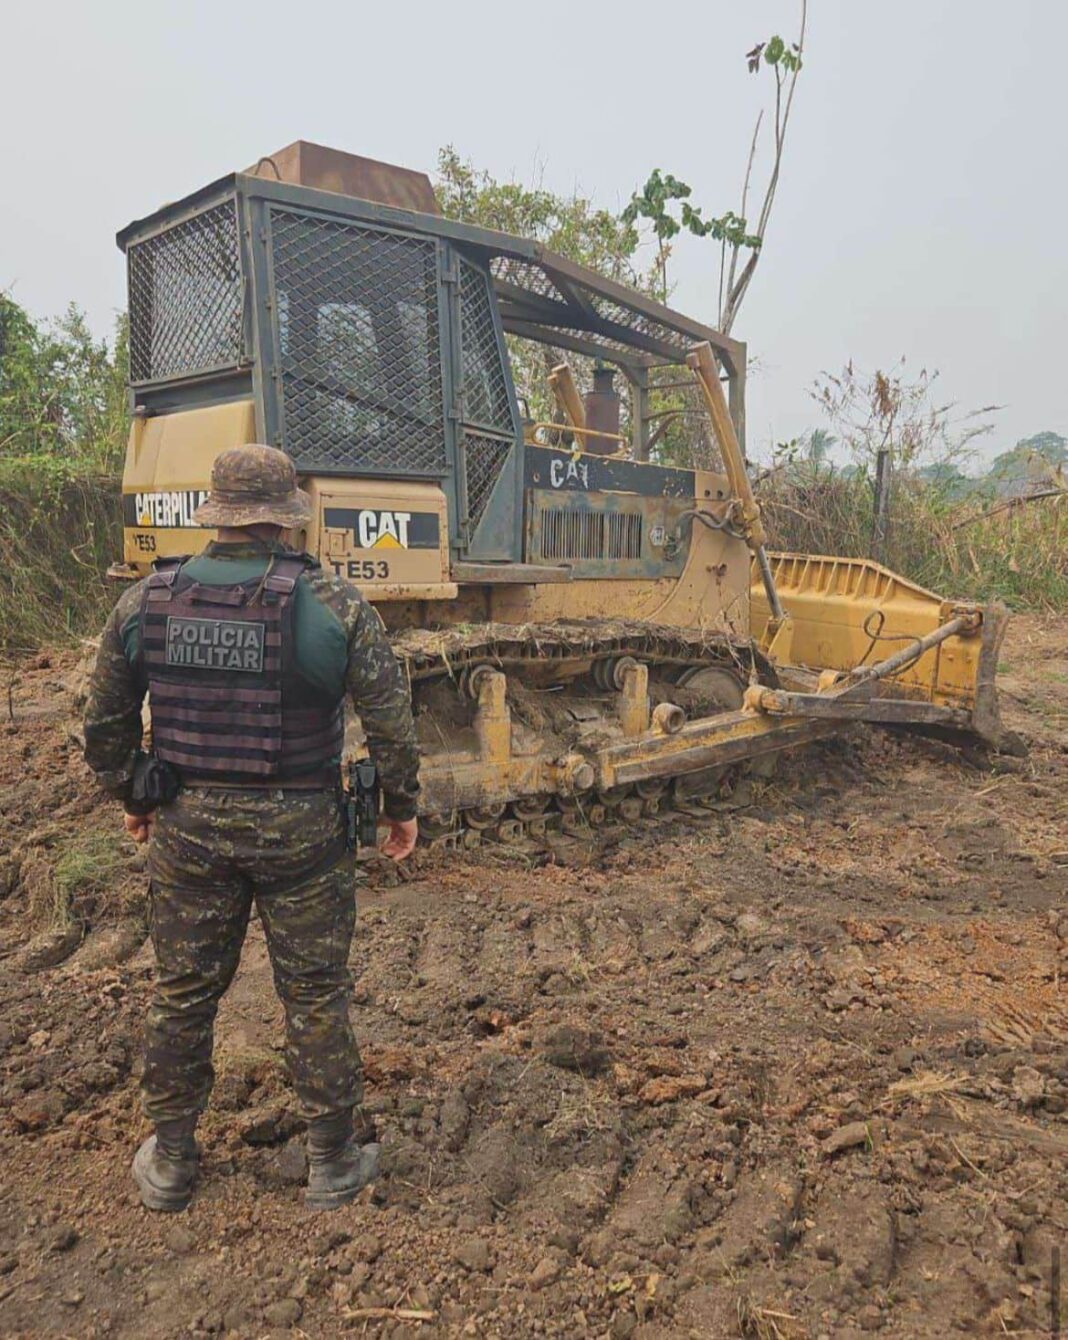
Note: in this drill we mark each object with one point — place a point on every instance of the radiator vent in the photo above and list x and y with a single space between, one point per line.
578 535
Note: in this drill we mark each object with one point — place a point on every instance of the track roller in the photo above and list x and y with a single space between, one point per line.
609 673
486 816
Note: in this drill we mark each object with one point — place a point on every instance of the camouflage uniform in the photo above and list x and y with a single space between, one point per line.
216 848
210 850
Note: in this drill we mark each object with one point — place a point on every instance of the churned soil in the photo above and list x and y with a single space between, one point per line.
798 1070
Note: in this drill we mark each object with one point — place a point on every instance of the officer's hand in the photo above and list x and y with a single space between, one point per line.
401 840
139 826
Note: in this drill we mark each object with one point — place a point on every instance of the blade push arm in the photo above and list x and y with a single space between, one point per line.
746 508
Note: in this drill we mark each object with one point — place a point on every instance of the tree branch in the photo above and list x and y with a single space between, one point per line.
1009 504
745 198
736 291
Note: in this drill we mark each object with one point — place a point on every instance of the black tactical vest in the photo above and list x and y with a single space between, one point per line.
219 661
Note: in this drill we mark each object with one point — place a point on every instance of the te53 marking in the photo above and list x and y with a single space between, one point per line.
361 569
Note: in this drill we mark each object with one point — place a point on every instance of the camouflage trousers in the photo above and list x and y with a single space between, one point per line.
212 852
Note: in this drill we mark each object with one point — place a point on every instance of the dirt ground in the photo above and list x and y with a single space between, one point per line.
795 1071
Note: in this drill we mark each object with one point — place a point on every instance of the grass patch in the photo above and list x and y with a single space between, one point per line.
85 874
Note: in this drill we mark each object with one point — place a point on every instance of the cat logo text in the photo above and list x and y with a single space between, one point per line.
379 528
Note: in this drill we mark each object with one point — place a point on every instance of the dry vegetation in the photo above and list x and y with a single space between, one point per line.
977 547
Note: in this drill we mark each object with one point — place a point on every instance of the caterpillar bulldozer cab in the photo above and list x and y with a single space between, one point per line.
586 631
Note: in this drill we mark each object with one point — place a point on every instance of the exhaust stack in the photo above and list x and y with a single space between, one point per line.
602 412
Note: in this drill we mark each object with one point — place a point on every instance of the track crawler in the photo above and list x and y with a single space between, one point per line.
589 635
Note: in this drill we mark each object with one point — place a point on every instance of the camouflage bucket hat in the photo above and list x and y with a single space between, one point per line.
254 484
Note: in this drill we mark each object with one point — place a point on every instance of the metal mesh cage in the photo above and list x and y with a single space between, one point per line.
524 275
359 345
631 319
185 295
569 305
605 342
485 391
484 459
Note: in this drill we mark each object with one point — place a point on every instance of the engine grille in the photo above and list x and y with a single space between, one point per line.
577 535
359 345
186 297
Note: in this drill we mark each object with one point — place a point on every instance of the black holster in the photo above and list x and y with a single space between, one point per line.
154 783
361 805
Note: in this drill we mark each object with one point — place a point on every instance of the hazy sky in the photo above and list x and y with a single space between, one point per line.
921 212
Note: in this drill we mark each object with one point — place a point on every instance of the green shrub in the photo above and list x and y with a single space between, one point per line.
59 530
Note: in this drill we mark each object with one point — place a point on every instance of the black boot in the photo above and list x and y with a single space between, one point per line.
165 1167
339 1167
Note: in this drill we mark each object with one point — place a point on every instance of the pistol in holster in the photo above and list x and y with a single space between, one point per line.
153 783
361 805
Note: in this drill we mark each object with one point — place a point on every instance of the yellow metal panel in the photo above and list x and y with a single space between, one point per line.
167 471
828 600
566 395
378 539
713 589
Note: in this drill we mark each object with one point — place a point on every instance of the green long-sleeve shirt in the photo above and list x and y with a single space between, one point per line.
341 647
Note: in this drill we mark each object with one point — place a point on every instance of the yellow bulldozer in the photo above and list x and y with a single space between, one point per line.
587 633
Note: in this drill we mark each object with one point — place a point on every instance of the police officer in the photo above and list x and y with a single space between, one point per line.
246 653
